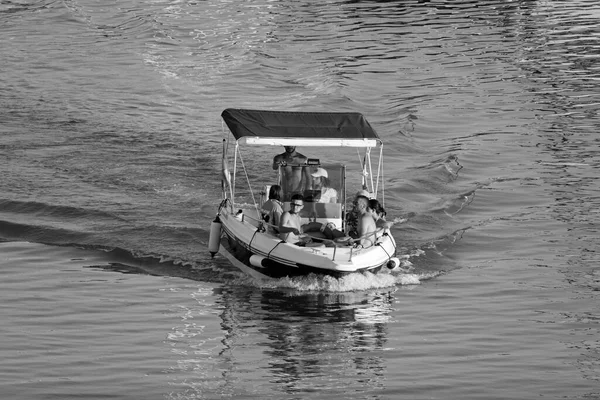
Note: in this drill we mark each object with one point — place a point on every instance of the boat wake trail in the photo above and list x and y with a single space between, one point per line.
435 208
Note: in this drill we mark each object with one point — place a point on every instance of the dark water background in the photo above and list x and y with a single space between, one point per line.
110 139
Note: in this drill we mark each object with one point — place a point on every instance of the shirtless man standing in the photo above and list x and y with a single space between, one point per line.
295 179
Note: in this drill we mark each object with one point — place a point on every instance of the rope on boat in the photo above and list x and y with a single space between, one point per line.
368 175
225 174
274 247
222 205
253 236
388 254
248 181
368 155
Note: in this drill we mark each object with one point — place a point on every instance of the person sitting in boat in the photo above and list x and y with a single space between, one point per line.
359 206
366 224
321 181
378 213
295 178
290 229
272 209
372 224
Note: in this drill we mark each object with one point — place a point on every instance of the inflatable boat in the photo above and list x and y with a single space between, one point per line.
242 231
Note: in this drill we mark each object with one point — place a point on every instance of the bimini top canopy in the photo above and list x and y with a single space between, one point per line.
291 128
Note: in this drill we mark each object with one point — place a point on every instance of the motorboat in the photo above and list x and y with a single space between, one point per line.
241 233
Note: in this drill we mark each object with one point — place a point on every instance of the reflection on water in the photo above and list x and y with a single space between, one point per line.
332 341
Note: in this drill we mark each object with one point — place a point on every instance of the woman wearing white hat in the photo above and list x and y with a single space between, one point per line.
321 181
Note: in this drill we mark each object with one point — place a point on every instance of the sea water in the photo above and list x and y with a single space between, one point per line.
110 143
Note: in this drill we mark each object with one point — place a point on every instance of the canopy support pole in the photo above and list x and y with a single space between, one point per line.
237 148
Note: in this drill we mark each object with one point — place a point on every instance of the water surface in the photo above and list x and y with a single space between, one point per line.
111 139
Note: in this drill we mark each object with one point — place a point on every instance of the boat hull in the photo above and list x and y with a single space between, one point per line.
262 255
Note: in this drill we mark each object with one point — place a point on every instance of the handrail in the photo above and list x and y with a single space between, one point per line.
374 233
374 242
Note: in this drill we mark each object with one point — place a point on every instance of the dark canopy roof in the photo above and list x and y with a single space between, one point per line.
300 128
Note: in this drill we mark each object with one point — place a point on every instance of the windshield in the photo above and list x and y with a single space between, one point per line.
316 183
